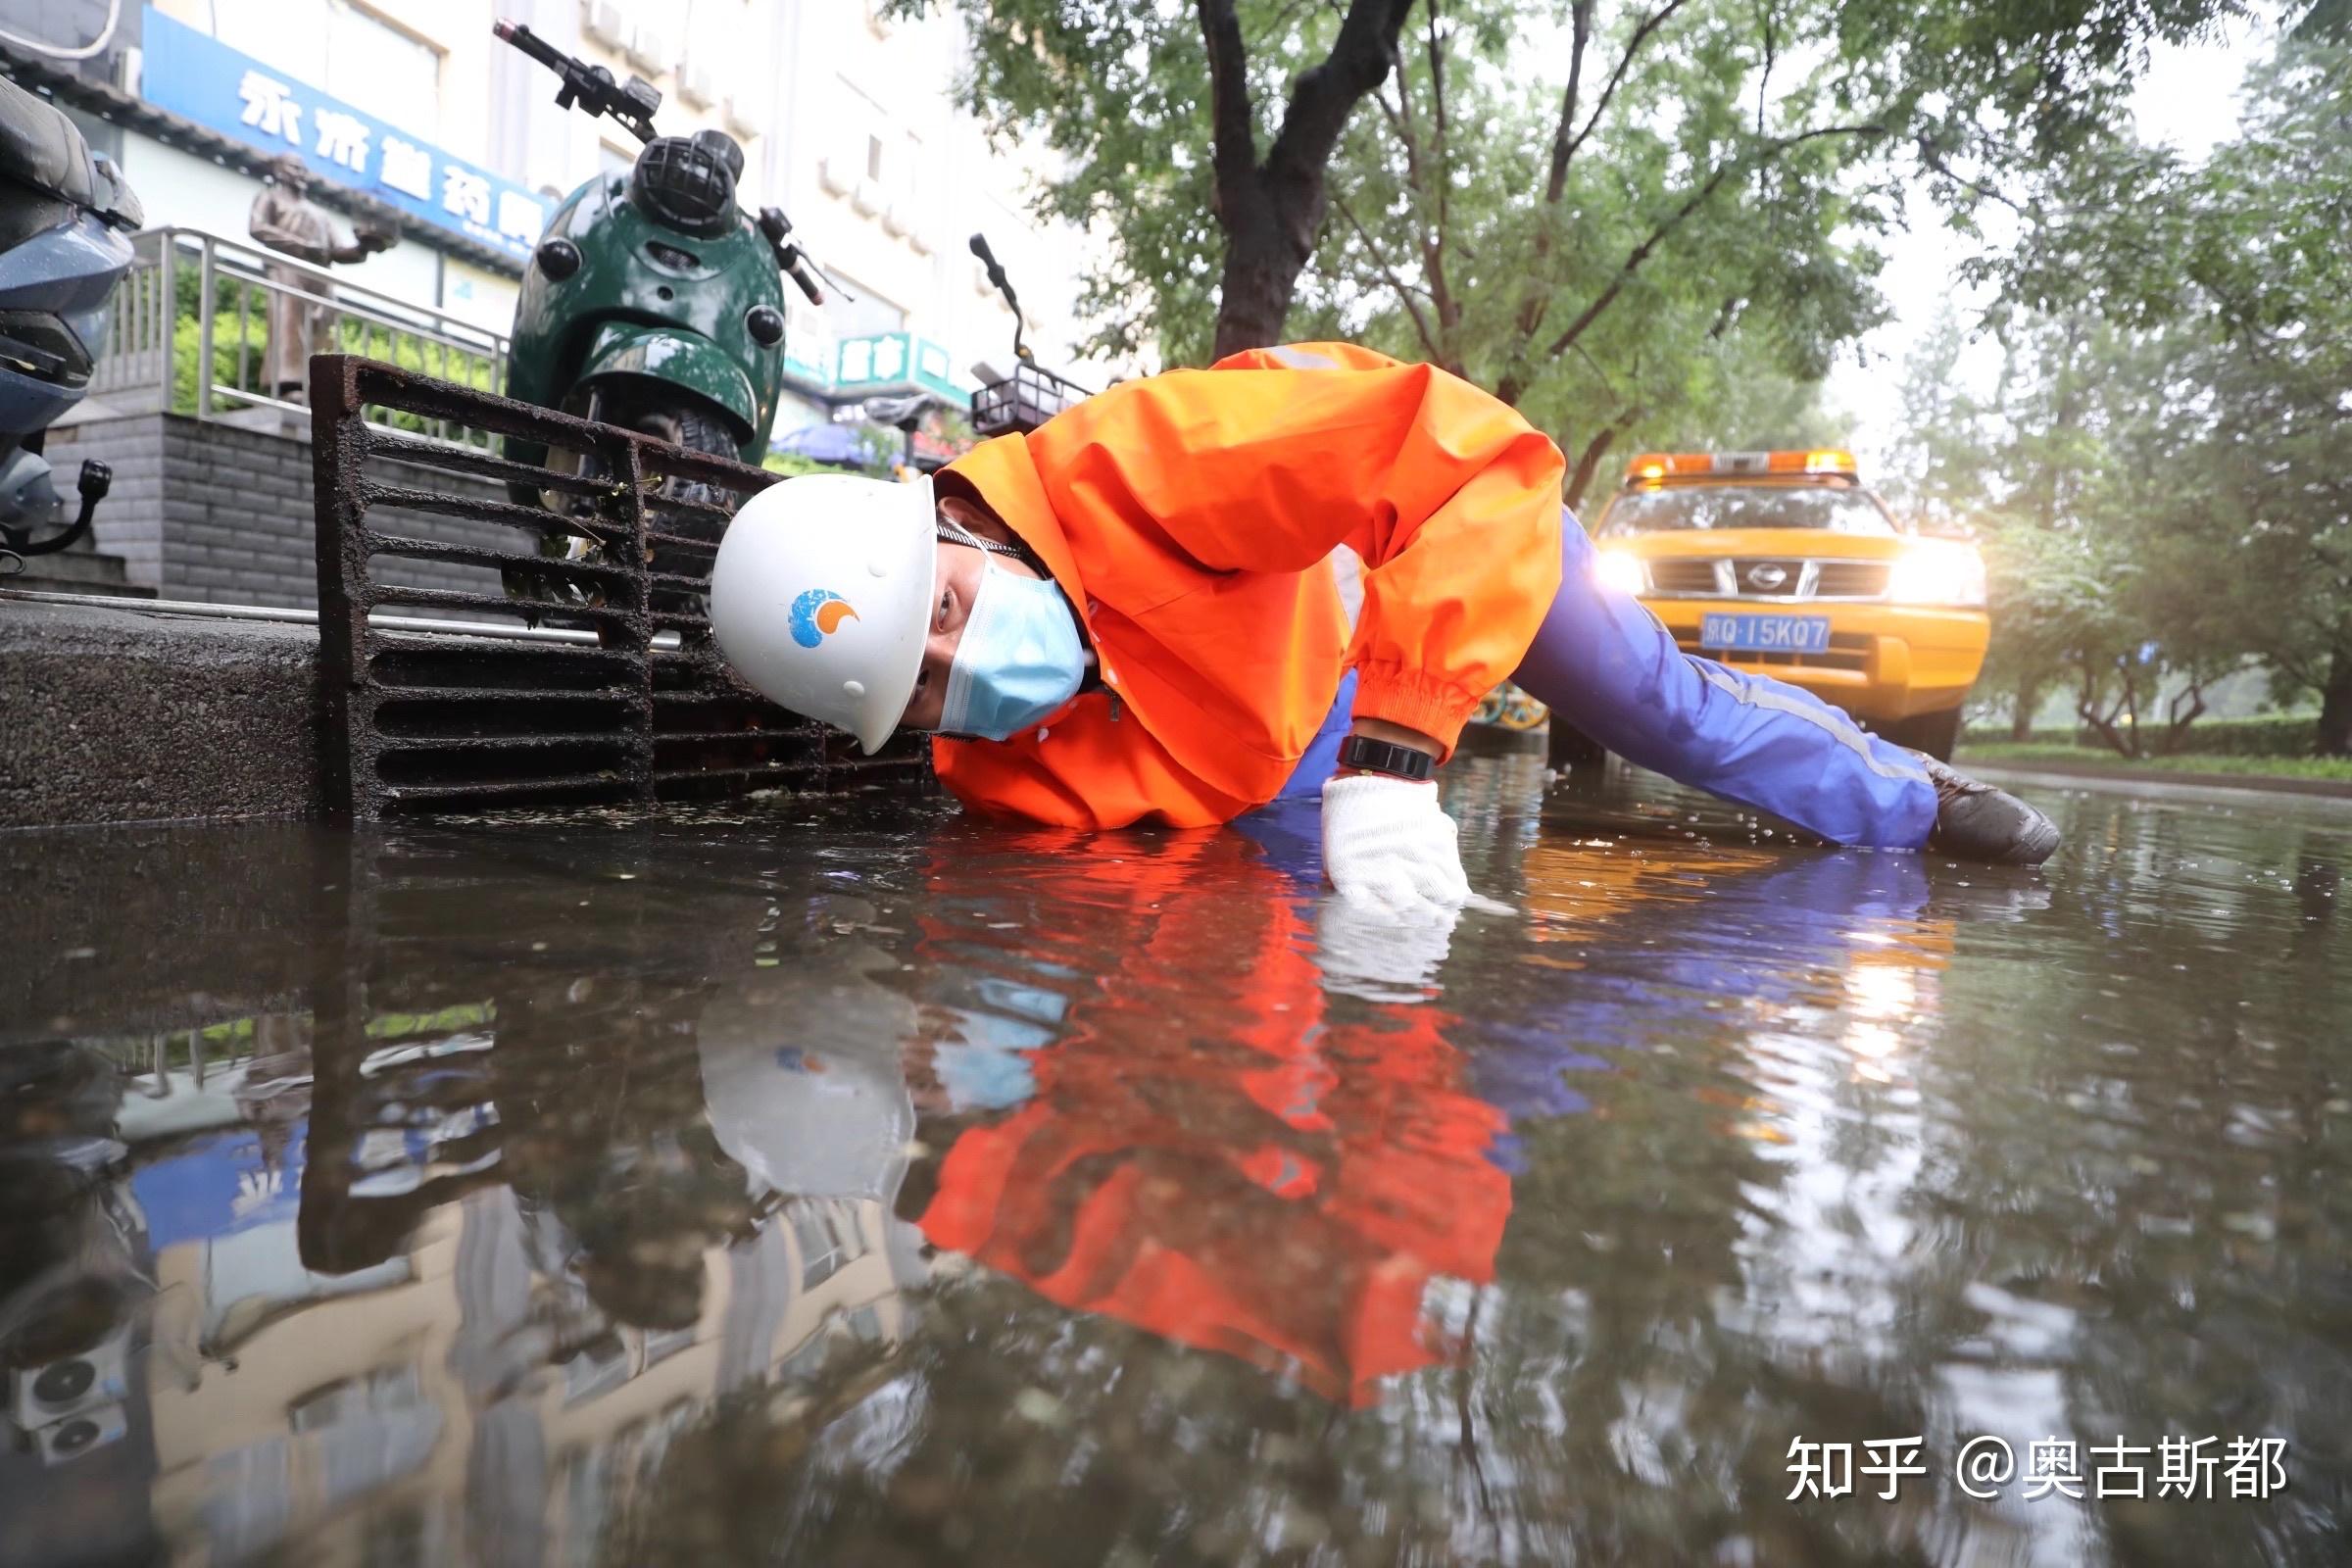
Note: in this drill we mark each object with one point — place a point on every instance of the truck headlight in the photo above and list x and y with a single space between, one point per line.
1937 571
1621 569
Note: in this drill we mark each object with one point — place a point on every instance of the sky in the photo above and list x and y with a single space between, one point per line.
2188 98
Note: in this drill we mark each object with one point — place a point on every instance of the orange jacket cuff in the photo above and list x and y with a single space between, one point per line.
1438 709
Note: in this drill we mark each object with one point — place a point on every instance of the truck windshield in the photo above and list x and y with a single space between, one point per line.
1744 506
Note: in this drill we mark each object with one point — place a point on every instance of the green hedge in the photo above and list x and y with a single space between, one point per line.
2266 735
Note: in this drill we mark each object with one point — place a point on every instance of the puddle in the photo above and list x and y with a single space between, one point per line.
848 1182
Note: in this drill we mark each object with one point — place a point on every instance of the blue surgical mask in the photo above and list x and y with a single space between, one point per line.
1021 657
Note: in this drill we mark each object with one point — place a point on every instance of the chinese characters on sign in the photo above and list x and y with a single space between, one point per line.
195 76
2200 1468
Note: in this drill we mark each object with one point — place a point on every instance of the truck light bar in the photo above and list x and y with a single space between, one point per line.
1651 467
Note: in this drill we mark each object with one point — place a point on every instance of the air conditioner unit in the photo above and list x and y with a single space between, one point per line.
697 84
895 219
69 1439
744 116
606 22
71 1385
835 176
651 49
866 197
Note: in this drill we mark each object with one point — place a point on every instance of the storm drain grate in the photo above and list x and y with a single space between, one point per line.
637 706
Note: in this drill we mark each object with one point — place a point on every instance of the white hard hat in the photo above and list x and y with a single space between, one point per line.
820 597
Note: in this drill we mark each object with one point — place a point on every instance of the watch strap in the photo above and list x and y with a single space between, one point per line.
1369 756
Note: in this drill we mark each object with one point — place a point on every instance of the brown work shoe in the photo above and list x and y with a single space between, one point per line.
1975 821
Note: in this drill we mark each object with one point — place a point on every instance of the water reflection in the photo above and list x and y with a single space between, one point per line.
1207 1151
870 1187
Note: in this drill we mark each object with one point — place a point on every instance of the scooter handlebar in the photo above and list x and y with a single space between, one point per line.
632 103
796 267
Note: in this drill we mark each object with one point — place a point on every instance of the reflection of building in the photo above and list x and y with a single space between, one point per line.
370 1405
364 1290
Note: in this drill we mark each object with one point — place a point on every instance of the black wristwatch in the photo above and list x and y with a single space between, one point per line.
1364 753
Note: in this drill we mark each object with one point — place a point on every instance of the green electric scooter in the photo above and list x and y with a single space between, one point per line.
652 301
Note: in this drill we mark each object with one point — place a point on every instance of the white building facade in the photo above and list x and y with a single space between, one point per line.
847 119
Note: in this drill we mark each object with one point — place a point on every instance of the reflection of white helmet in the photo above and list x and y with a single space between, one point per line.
821 595
807 1123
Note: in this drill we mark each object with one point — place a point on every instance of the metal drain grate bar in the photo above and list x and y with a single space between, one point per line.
420 722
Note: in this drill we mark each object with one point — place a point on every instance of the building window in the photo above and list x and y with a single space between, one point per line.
390 72
344 49
855 311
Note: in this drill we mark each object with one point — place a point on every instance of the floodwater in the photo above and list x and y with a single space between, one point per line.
851 1182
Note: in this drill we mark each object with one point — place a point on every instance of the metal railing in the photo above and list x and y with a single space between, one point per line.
190 332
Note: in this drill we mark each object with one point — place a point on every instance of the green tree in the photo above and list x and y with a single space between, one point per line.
1615 255
2223 457
1200 139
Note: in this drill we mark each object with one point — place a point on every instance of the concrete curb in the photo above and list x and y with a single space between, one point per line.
123 715
2167 786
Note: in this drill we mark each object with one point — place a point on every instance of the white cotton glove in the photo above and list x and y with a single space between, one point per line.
1388 842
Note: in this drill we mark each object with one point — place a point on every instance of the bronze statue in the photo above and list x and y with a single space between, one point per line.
286 220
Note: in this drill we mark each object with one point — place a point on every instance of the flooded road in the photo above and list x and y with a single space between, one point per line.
842 1182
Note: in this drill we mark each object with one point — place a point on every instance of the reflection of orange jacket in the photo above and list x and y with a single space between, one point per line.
1232 1171
1189 516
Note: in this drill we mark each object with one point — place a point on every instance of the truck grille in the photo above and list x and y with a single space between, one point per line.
647 712
1766 577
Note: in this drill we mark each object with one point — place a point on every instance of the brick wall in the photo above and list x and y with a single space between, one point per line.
221 514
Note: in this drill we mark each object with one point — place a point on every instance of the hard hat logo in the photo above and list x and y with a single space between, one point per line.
789 639
818 614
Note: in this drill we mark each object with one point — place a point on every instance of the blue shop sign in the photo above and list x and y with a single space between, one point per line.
199 78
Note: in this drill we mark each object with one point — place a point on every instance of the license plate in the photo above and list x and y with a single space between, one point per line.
1765 634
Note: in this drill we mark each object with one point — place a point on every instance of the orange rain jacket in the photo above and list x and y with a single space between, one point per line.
1190 517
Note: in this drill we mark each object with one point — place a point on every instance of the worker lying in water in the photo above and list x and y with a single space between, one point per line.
1130 615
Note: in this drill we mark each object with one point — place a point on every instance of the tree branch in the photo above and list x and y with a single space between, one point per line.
1698 199
1588 461
1233 136
1580 21
1322 97
1428 342
1437 119
1633 46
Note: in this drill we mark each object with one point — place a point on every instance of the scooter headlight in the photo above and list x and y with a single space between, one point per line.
686 184
1937 571
1622 570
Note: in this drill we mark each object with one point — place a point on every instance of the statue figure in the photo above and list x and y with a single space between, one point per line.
286 220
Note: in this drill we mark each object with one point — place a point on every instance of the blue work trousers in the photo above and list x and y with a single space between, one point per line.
1603 664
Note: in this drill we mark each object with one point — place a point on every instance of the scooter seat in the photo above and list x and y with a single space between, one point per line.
40 147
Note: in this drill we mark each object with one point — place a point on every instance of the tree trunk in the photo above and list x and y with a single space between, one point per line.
2335 730
2022 705
1263 258
1271 209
